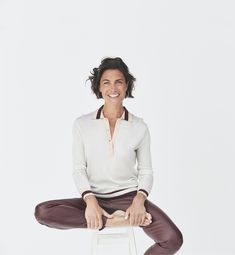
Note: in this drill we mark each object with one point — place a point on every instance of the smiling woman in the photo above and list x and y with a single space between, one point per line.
113 85
106 145
116 64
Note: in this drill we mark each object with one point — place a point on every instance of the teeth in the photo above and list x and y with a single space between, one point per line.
114 95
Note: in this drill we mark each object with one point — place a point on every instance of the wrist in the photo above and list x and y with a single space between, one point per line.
90 199
140 197
142 193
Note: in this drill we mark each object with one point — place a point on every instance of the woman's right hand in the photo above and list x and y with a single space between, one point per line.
94 212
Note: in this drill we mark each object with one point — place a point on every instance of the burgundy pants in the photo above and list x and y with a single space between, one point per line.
70 213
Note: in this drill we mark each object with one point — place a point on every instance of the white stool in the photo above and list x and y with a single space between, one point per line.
109 235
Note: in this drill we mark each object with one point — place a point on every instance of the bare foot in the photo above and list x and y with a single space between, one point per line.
118 220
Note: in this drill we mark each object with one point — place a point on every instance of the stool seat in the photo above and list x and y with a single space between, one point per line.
109 235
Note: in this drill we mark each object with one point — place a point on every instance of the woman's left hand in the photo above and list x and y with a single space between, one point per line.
136 212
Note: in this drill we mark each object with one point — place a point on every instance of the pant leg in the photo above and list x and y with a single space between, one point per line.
62 213
167 237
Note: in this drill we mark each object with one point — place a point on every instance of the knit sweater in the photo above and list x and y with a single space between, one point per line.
111 166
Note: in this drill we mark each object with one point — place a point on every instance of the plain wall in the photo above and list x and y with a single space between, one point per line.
182 54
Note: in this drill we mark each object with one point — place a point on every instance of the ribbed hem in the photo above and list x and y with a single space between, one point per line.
115 193
86 192
144 191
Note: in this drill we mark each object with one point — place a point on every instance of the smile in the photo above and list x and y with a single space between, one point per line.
113 95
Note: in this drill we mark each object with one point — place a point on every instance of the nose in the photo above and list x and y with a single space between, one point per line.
113 86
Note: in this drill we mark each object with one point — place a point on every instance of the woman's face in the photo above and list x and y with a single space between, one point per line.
113 86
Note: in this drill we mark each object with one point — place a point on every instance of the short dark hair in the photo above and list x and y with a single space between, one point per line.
111 63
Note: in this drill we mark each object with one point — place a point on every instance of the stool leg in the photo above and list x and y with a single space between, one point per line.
94 246
132 243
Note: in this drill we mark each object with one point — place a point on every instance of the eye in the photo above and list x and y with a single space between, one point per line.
120 82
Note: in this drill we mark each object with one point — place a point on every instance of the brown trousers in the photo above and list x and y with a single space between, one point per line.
70 213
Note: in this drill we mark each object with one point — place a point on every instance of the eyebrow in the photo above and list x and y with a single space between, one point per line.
120 79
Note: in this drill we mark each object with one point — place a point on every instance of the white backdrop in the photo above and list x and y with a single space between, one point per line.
182 54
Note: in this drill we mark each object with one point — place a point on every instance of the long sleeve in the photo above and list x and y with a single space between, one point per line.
79 161
144 164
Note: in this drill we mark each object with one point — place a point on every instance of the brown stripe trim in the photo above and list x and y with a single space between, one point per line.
126 117
99 112
109 192
126 113
86 192
144 191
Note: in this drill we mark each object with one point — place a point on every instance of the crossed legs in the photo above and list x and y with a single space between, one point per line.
70 213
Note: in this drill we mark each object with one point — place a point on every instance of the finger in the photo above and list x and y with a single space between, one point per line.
135 220
131 219
100 223
97 226
91 224
95 223
142 220
127 214
88 224
139 220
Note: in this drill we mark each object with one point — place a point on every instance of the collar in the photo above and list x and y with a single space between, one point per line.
125 115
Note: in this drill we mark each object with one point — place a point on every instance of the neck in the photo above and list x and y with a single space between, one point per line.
113 111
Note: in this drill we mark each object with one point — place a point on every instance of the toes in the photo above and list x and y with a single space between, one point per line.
148 216
145 224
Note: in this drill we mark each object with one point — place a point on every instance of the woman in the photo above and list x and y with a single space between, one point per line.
107 143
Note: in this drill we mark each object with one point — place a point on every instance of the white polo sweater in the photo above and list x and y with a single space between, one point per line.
109 167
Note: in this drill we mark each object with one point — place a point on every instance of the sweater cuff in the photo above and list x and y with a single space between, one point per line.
143 192
85 193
